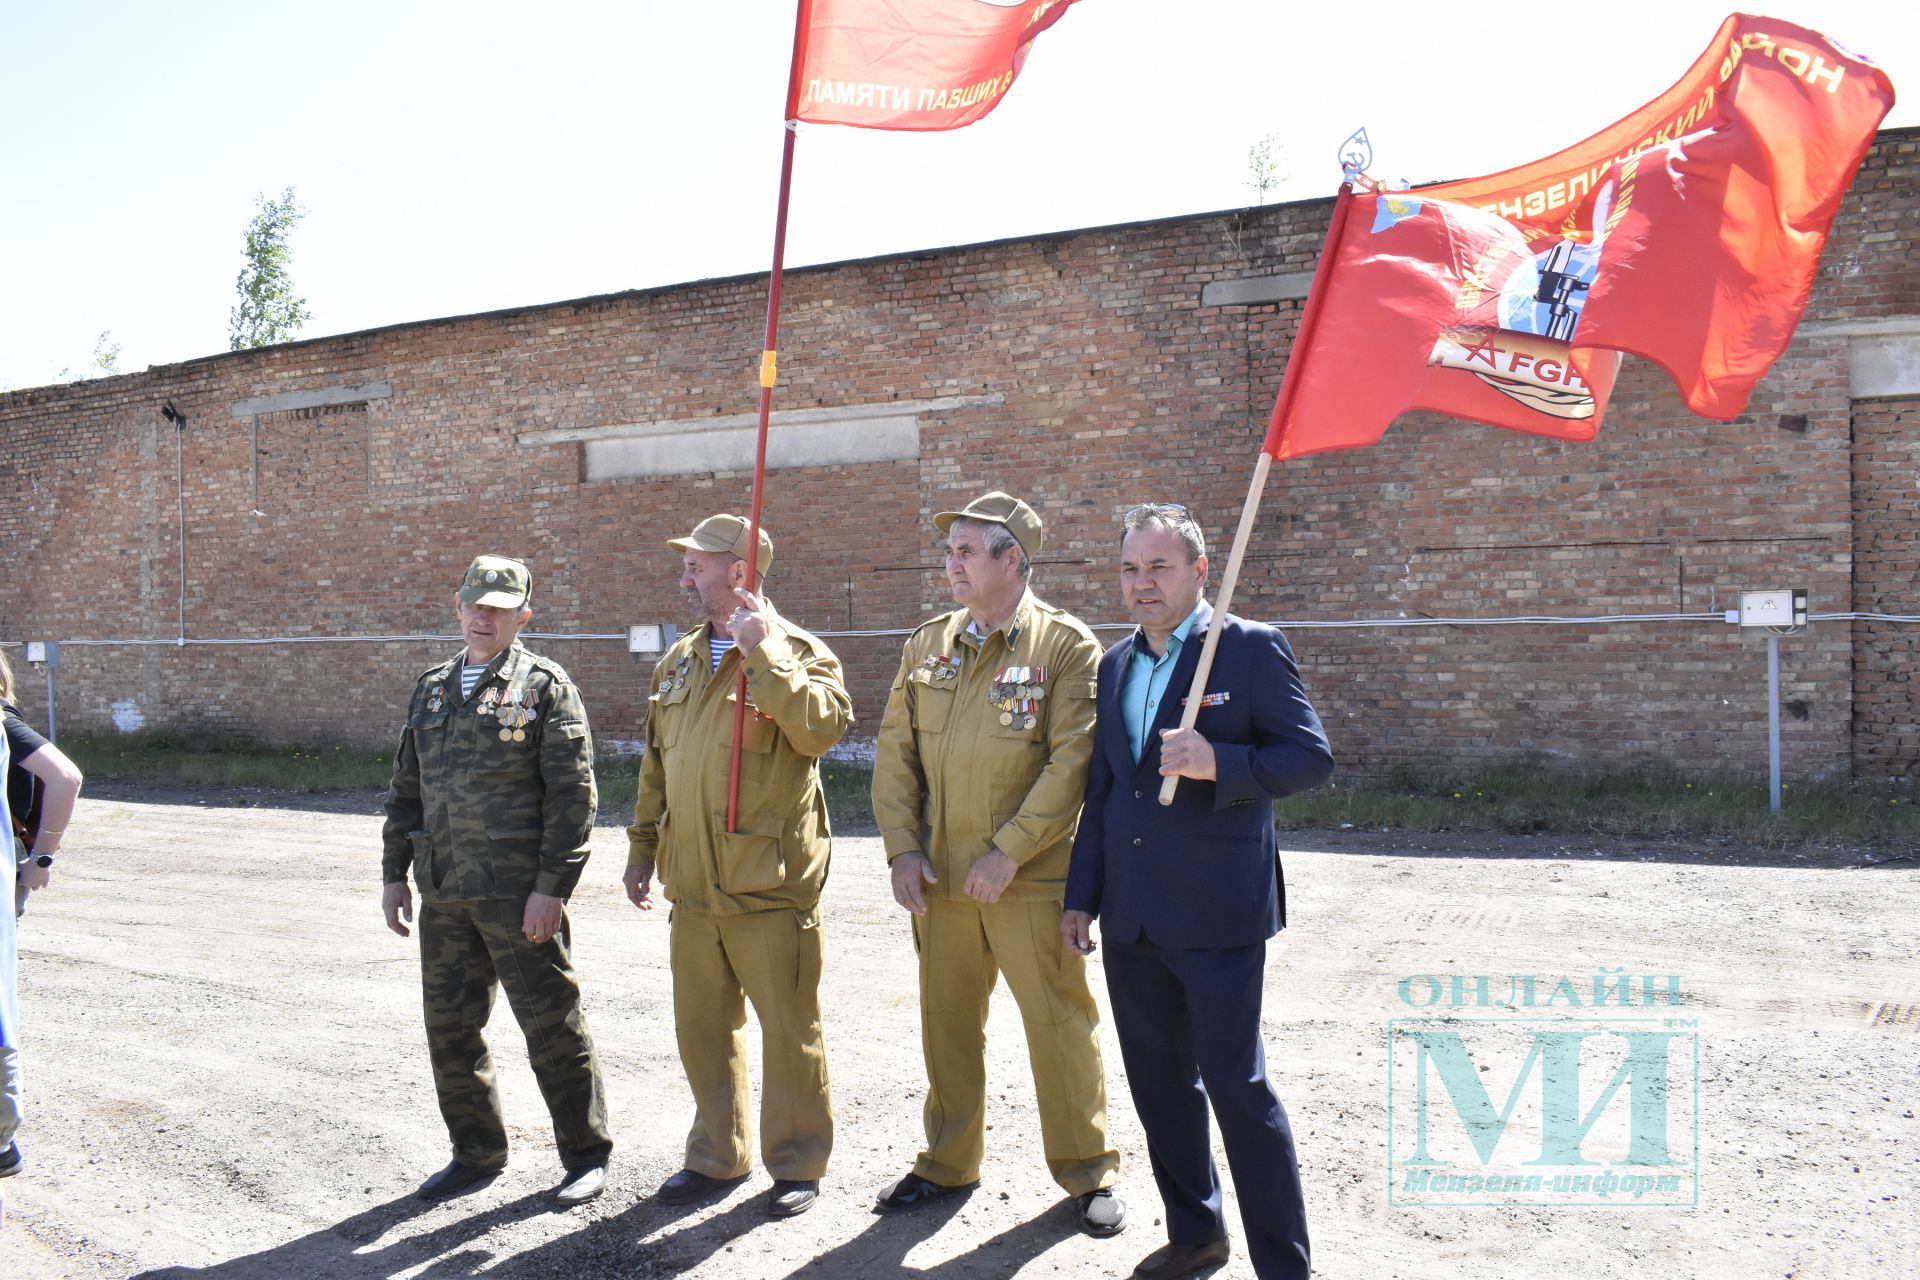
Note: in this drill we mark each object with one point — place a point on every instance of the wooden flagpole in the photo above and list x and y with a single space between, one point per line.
769 373
1302 344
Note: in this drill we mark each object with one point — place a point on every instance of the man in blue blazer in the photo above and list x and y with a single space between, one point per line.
1188 894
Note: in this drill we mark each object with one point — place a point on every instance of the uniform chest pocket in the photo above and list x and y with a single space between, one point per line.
931 700
666 708
757 732
429 730
502 745
1029 725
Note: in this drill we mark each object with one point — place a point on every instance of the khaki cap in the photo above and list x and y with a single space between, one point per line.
999 508
498 582
728 534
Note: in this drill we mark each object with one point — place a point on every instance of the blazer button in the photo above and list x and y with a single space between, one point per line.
1139 795
1137 842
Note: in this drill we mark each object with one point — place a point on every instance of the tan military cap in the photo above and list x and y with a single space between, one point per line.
999 508
729 534
497 581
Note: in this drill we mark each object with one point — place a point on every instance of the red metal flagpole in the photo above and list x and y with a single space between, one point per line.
769 370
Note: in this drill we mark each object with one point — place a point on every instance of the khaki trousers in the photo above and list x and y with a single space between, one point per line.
773 959
964 945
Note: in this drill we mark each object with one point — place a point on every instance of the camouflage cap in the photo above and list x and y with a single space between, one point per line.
728 534
999 508
497 581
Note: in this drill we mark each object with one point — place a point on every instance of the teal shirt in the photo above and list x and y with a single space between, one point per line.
1146 682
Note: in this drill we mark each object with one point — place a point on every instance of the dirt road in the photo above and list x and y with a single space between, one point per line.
226 1074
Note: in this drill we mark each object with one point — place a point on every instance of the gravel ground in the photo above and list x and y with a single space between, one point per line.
226 1074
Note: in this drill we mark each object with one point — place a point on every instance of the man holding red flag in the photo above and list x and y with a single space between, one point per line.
746 920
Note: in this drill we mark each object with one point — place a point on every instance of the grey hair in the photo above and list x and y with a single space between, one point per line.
998 538
1160 515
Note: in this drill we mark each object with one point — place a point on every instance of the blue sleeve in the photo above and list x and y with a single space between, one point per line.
1087 873
1289 751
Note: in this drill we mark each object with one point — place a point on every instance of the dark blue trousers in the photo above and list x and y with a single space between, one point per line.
1189 1030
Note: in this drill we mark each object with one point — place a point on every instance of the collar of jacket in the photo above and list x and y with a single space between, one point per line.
510 663
1013 628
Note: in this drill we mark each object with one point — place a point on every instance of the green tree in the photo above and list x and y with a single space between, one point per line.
104 363
269 311
1264 159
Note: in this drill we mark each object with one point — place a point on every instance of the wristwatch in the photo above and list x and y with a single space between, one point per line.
42 859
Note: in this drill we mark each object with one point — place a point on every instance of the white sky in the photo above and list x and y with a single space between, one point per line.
466 157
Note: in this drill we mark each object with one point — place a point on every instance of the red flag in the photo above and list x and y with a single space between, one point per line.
910 64
1688 233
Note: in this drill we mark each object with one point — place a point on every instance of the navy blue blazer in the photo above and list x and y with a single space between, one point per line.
1205 870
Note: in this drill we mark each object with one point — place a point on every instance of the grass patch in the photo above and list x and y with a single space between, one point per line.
1516 798
171 760
1510 798
197 761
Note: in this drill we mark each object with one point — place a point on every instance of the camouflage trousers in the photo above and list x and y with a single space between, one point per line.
467 949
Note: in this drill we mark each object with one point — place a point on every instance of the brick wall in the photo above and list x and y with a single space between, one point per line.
1116 384
1886 568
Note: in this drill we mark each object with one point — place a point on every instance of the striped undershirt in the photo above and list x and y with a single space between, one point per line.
717 648
469 677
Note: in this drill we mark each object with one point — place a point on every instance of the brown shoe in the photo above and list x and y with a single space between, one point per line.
1171 1261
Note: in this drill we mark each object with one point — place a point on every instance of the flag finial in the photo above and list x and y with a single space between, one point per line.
1356 155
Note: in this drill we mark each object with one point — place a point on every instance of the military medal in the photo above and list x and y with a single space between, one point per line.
437 700
516 713
1007 695
488 701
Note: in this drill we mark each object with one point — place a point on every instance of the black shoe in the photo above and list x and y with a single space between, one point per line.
792 1197
913 1191
10 1160
1103 1212
1171 1261
581 1185
455 1178
687 1186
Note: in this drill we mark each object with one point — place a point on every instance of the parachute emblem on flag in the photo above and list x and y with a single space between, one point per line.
1518 341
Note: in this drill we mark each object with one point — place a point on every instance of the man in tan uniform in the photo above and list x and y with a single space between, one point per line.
981 766
746 904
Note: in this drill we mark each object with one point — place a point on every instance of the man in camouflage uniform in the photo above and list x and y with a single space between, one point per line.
981 765
746 904
491 805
